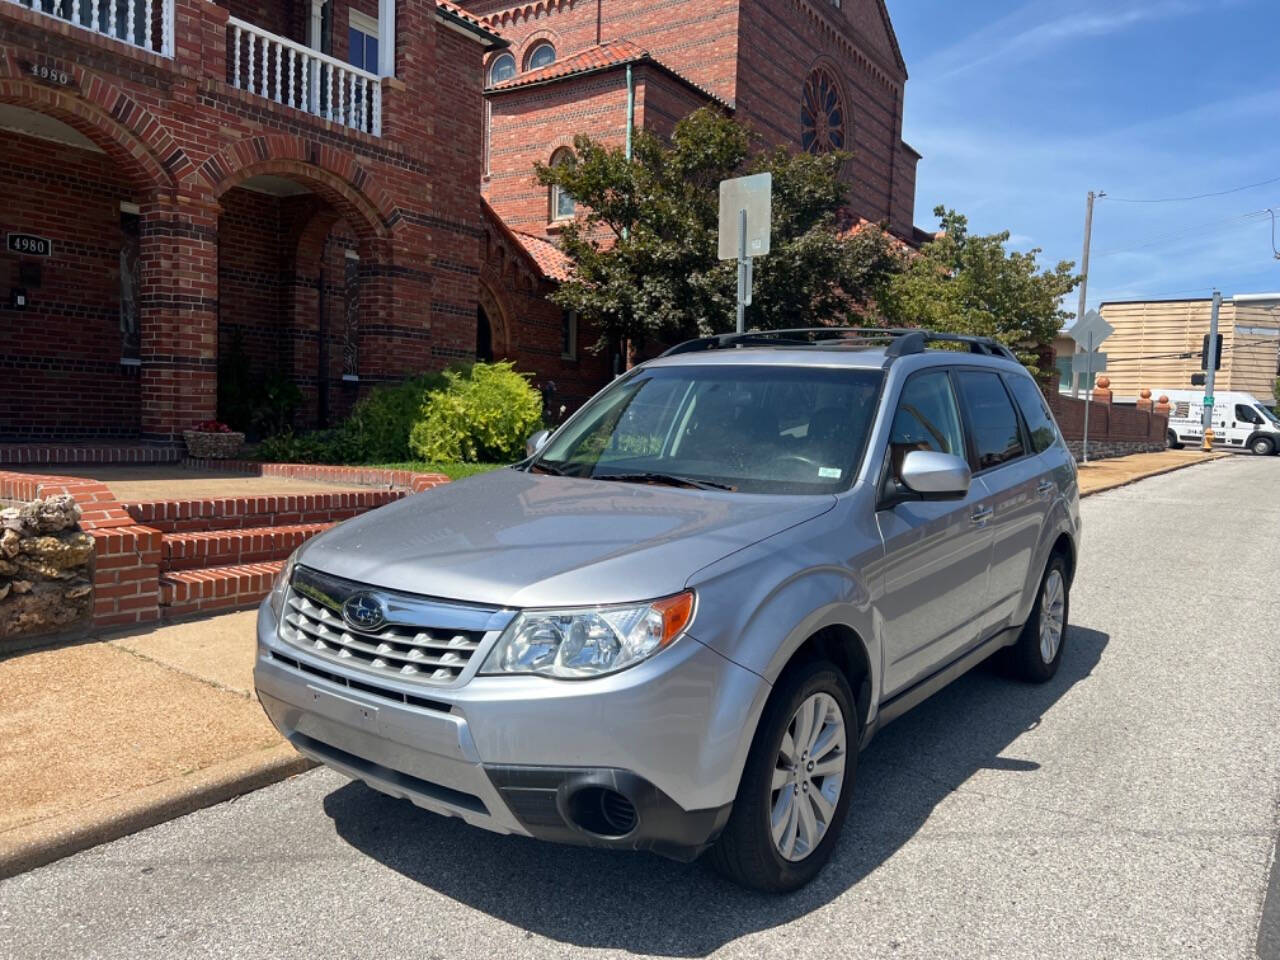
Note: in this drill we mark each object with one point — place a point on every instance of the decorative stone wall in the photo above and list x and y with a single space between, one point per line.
45 579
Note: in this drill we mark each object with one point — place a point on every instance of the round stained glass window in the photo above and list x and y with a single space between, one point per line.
821 114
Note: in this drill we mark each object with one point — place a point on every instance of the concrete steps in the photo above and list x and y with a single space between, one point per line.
233 513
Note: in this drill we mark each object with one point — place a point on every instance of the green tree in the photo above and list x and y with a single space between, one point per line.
645 248
971 284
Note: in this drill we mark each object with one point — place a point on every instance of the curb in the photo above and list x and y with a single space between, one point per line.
42 842
1154 473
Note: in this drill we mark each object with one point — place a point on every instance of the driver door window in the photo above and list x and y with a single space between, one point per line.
928 418
1246 414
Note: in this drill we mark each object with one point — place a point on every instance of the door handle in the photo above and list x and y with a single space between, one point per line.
981 515
1044 486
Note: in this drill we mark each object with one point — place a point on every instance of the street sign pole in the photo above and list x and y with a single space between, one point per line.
746 215
744 267
1088 388
1210 364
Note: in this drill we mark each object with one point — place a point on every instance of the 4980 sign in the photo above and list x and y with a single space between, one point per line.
29 245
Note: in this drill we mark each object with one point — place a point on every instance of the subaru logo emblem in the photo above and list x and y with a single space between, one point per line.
363 611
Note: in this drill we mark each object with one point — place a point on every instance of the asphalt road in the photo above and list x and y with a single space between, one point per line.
1127 809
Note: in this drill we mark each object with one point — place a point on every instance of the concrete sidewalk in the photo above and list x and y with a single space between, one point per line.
104 738
1102 475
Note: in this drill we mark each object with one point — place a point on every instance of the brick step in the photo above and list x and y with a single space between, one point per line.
189 593
220 548
235 513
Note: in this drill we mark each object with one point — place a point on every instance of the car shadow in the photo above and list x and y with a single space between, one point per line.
645 904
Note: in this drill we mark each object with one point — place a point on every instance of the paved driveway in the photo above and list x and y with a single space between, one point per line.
1128 809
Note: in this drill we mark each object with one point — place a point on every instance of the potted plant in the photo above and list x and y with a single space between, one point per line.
212 440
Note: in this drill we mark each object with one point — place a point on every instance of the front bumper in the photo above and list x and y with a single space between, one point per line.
517 754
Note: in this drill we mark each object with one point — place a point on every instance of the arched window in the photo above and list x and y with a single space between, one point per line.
502 68
542 55
822 114
563 206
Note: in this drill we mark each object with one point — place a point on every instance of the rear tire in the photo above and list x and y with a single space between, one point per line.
1038 652
1262 446
782 759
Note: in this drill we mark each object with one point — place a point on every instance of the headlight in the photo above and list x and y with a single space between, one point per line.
281 586
589 642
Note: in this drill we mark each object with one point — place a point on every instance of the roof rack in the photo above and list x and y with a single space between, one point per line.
902 342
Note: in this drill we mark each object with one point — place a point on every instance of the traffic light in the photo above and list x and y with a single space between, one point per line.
1217 354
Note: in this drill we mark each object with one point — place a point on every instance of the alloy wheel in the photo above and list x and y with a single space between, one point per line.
1052 605
808 775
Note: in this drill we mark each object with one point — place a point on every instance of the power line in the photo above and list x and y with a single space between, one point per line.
1198 196
1239 220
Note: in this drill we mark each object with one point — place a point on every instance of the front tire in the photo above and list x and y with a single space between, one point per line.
795 789
1174 444
1038 651
1262 446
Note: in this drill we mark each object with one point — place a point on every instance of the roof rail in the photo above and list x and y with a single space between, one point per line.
902 341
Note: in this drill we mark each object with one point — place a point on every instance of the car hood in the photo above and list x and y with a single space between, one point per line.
518 539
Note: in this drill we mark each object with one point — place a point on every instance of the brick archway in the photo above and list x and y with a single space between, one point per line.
136 146
334 176
499 319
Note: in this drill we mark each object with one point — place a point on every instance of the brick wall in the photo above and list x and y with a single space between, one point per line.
68 337
180 140
1113 431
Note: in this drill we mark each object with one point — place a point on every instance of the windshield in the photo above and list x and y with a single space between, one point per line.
1266 412
756 429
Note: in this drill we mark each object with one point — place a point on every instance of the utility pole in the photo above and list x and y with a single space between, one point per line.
1210 365
1084 271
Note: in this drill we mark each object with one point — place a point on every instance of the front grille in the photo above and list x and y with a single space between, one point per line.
408 652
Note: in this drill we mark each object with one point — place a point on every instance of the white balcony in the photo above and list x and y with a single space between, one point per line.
147 24
296 76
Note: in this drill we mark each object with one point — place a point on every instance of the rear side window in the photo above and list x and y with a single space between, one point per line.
1035 412
927 418
997 438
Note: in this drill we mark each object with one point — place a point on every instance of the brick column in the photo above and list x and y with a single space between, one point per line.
179 315
396 334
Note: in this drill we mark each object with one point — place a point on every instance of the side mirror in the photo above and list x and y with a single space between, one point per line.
536 442
935 475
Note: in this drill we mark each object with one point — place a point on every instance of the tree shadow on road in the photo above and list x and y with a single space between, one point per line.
645 904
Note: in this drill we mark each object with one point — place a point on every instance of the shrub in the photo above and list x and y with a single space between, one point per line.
320 446
378 429
482 418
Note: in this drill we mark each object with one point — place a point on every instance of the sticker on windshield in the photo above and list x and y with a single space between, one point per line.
830 473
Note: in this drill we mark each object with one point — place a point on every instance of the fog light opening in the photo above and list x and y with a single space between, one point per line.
603 812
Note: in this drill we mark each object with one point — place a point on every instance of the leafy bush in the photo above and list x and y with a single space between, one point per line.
378 429
320 446
485 417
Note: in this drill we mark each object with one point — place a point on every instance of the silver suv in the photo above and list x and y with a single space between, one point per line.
675 624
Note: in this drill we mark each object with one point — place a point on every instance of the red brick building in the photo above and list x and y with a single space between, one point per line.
209 200
290 189
812 74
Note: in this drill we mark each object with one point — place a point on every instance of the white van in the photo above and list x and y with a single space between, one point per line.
1238 420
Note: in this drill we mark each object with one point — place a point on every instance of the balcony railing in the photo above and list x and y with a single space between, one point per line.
143 23
292 74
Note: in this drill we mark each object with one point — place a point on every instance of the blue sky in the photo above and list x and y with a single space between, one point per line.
1020 107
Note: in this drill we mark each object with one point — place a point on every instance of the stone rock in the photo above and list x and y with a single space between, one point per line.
16 519
4 589
72 550
56 513
79 589
34 566
7 567
22 586
9 542
44 609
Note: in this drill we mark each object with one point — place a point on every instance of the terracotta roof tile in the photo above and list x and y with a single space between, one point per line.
608 54
551 260
457 11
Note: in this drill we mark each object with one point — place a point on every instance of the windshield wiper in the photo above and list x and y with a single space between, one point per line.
667 479
541 467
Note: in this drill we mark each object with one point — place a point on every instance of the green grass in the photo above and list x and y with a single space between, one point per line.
454 471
